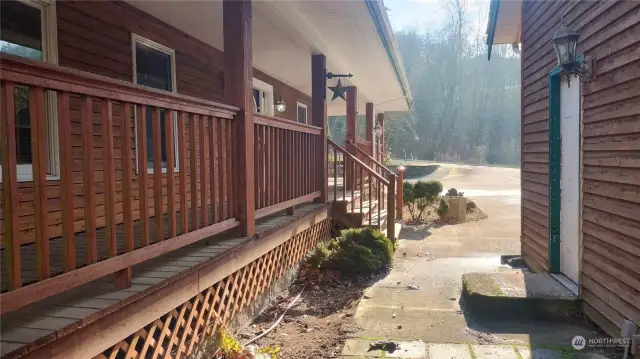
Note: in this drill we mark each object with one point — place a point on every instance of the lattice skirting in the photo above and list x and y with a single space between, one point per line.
175 334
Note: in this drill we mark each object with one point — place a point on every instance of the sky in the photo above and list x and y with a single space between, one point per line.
424 15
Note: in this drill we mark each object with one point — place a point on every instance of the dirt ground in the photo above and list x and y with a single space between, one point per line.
431 217
316 327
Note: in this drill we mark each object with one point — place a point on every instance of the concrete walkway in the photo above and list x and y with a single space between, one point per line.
419 301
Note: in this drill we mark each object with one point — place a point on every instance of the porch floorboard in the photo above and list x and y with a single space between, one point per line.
55 316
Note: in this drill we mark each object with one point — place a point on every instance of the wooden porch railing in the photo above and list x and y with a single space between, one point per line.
110 208
286 164
381 169
372 186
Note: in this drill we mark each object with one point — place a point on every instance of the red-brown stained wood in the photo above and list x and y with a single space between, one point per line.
143 186
237 30
204 215
222 177
213 163
232 186
88 178
193 178
9 188
319 118
39 158
106 119
171 185
66 182
127 179
182 155
256 156
156 138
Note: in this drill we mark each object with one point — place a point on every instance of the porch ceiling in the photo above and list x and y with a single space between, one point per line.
287 33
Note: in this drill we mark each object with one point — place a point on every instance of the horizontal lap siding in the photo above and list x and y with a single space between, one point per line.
96 37
610 31
610 280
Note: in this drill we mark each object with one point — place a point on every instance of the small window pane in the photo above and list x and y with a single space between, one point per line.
302 114
163 138
21 32
153 68
257 101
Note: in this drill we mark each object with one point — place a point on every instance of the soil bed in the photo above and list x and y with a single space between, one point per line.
431 217
316 327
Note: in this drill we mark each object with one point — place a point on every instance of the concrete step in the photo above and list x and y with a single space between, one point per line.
517 294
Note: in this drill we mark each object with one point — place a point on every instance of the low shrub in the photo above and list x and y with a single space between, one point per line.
419 196
356 252
443 208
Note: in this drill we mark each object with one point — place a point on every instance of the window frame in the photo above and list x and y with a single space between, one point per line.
268 96
135 39
306 112
49 38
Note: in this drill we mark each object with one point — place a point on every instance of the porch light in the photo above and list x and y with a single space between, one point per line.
377 131
565 41
280 105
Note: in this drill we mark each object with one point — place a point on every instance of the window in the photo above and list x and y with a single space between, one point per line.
29 30
302 113
154 66
262 98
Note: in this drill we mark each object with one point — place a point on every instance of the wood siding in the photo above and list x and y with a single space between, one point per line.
96 37
610 268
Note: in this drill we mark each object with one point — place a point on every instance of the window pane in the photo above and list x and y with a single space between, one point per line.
153 68
257 101
23 125
21 32
150 137
302 114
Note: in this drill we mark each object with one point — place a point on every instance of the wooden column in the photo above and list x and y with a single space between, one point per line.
369 127
391 209
400 193
381 123
352 108
238 91
319 118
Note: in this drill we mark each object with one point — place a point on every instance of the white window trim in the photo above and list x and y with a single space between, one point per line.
135 38
306 112
49 28
268 91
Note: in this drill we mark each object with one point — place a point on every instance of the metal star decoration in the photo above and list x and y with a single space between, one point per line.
338 91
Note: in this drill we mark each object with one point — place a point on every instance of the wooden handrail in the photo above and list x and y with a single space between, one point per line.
54 77
356 160
373 159
285 124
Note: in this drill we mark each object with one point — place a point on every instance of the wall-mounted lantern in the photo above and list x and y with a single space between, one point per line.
280 105
377 131
565 41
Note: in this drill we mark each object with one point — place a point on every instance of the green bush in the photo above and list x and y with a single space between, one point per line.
356 252
419 196
443 208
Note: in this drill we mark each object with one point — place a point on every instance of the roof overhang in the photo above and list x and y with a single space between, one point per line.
505 23
355 36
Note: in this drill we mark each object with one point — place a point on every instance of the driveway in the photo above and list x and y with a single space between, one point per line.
434 259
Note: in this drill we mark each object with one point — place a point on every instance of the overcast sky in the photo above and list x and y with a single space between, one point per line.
430 14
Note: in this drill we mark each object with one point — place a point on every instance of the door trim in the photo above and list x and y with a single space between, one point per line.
555 161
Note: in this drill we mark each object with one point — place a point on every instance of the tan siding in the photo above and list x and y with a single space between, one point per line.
610 31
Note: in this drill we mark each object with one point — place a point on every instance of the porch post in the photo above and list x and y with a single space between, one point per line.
369 126
236 22
319 118
352 107
381 145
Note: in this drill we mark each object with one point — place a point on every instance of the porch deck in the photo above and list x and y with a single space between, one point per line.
38 324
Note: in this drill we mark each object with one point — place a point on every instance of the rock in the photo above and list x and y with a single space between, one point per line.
385 345
309 330
412 287
366 297
316 287
470 205
399 326
393 315
404 254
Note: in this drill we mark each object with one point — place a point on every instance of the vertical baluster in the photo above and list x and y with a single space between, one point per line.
204 211
193 178
182 162
38 141
106 121
143 176
157 172
335 173
370 199
11 237
278 170
171 179
91 250
127 180
256 163
344 178
269 166
362 190
222 177
379 184
229 157
214 168
66 182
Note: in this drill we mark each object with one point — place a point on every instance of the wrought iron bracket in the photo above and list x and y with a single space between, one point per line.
330 75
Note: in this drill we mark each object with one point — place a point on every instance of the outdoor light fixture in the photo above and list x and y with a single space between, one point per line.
377 130
565 41
280 105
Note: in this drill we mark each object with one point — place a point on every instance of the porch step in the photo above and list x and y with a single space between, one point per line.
517 294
